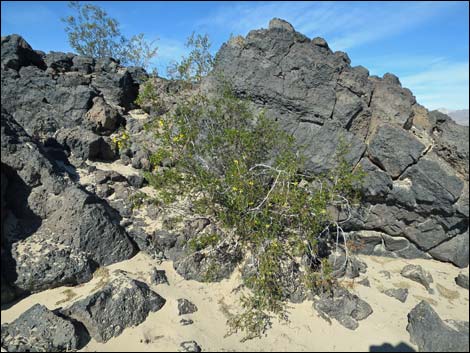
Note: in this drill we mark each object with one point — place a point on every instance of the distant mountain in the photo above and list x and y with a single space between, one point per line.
460 116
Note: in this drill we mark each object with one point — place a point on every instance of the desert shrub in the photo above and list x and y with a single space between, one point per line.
93 33
238 167
197 64
148 98
121 139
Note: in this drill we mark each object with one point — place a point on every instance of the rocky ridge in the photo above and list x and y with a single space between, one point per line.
61 111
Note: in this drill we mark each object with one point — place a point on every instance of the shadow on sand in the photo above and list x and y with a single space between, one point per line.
387 347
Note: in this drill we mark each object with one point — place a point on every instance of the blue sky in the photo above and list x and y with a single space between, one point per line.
426 44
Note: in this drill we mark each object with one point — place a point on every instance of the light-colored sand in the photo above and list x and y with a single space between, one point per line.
305 332
125 170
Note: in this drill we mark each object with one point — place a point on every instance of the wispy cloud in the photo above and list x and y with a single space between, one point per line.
444 84
435 81
344 25
169 50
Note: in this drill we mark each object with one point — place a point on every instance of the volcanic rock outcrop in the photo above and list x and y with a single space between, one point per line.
416 188
59 110
53 231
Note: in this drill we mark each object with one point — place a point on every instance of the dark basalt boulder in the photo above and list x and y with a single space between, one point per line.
34 256
431 334
47 92
416 187
58 61
186 307
40 330
85 144
462 280
123 302
46 218
343 306
394 150
16 53
398 293
418 274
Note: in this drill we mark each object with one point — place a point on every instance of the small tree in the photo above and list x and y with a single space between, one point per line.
199 62
93 33
240 169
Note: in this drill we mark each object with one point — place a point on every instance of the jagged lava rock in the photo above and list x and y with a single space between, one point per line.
418 274
123 302
431 334
416 161
39 330
343 306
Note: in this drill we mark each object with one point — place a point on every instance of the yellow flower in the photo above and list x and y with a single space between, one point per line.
267 225
235 161
234 188
175 139
161 123
181 136
250 183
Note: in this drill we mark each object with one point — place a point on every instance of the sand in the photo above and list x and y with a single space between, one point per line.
306 331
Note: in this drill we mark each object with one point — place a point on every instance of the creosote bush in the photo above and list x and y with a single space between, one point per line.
197 64
241 170
93 33
121 139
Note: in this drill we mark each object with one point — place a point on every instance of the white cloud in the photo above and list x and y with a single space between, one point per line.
434 80
168 50
444 84
344 25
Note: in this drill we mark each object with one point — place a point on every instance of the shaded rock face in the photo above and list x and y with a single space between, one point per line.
124 302
40 330
418 274
462 280
189 346
56 106
45 94
343 306
398 293
48 219
416 188
186 307
431 334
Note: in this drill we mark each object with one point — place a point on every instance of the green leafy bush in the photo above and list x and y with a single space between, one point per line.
197 64
93 33
239 168
121 139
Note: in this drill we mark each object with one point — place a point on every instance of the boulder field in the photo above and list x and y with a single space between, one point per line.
60 112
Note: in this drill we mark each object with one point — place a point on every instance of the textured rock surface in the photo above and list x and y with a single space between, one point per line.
343 306
398 293
416 188
122 303
39 330
418 274
159 277
60 109
431 334
190 346
53 110
462 280
186 307
46 219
